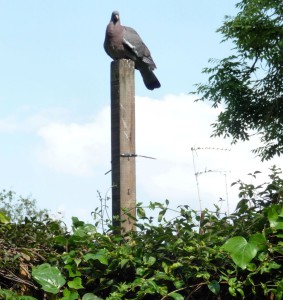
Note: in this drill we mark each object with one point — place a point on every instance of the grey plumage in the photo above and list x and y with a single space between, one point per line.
124 42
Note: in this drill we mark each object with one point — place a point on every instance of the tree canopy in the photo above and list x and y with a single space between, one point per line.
249 83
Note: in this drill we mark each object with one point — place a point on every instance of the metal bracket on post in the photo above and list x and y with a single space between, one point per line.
135 155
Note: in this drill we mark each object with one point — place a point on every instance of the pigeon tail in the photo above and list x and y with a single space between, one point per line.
149 78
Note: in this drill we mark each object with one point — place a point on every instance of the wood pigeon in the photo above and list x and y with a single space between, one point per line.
124 42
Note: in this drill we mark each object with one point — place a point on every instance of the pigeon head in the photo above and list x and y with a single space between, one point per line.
115 17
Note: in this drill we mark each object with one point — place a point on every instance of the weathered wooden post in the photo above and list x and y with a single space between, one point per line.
123 143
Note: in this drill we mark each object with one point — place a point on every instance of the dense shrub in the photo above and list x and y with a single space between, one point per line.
192 256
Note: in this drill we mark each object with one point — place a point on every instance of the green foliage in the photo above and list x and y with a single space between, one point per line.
249 83
17 208
50 278
242 252
8 295
23 245
3 218
191 256
275 216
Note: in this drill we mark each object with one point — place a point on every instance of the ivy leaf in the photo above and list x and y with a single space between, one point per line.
141 212
241 251
70 295
76 284
100 255
161 214
149 260
50 278
124 262
3 218
90 296
27 298
214 286
72 273
60 240
275 216
175 266
259 241
85 230
176 296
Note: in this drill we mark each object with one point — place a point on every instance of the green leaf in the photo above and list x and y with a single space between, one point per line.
274 265
77 222
241 251
9 295
177 283
69 295
232 291
141 271
259 241
161 214
203 274
163 276
76 284
149 260
275 216
72 273
90 296
60 240
100 255
165 267
214 286
175 266
176 296
50 278
85 230
141 212
77 261
3 218
124 262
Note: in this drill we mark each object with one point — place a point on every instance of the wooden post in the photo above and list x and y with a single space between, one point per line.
123 143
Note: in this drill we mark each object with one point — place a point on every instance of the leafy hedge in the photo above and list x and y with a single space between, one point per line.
192 256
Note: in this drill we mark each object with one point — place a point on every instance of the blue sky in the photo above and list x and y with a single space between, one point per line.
55 96
52 50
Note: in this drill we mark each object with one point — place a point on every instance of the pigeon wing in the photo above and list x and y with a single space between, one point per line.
133 42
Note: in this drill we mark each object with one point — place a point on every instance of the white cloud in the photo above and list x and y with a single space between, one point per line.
76 148
24 120
166 129
172 125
